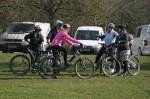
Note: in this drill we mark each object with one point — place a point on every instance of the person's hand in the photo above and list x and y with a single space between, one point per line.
81 45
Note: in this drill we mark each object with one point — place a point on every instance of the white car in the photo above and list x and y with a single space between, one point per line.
141 44
88 36
13 38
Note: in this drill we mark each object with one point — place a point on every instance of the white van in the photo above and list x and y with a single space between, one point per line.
13 38
87 35
141 44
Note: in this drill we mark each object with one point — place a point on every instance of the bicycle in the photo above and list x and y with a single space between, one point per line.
133 65
20 64
108 64
51 66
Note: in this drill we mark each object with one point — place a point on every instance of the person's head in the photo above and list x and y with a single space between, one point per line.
110 27
119 28
37 28
66 27
122 28
58 25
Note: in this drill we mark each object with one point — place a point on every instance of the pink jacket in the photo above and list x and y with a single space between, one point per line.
62 37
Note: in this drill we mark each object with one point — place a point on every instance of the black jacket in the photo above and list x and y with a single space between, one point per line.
123 41
52 34
36 40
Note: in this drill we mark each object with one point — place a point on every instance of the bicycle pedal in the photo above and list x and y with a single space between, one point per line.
34 70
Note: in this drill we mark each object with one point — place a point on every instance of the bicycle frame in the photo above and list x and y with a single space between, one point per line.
76 53
108 51
32 54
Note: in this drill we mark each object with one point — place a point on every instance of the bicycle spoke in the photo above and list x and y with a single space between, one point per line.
19 65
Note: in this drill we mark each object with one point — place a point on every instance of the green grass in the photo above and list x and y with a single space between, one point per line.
71 87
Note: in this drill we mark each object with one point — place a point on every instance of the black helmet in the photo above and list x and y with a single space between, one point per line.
122 26
37 28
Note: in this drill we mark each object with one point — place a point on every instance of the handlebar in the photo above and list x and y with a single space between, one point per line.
101 36
76 48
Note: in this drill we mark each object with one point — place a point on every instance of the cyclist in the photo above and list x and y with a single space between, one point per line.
35 40
124 42
54 30
109 38
61 37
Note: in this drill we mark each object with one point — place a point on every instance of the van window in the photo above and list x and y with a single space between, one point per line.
87 35
138 32
20 28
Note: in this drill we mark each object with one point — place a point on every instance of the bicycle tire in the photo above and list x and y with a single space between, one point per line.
17 68
46 68
84 68
134 66
110 66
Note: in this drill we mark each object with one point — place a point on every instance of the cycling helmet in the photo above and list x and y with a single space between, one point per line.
37 28
111 25
123 26
59 23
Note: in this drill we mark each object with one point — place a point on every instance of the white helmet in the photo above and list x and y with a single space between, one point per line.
111 25
58 23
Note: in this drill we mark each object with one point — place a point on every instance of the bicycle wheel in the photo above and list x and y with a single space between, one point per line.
134 65
110 66
84 68
46 68
19 65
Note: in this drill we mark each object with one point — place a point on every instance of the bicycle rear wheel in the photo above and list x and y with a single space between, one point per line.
46 68
134 66
84 68
110 66
19 65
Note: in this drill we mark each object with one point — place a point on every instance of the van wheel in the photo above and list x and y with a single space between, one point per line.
140 52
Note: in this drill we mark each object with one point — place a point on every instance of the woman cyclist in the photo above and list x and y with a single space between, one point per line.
61 37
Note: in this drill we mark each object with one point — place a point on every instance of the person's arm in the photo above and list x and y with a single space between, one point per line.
27 37
49 34
52 37
115 34
70 40
101 37
41 38
130 36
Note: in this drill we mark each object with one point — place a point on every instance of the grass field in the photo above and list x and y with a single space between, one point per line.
71 87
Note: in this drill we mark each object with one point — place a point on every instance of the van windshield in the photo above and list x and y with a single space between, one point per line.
20 28
87 35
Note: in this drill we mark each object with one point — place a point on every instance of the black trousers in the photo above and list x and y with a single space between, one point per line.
102 50
100 53
36 52
62 49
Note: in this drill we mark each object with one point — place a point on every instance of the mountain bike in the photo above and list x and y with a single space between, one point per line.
20 64
133 65
51 65
108 64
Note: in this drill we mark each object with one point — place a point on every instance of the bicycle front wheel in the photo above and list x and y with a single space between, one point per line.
19 65
84 68
110 66
47 68
134 66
